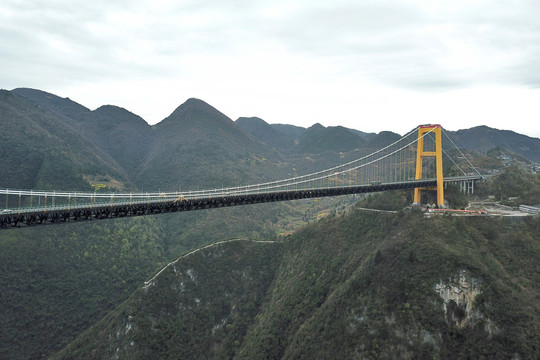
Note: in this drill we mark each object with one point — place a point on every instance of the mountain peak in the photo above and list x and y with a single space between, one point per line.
316 126
195 101
194 110
111 110
34 94
64 106
250 120
118 114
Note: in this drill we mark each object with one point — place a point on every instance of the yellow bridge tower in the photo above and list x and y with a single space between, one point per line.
420 154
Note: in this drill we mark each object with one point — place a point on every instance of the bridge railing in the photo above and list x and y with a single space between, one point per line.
393 163
42 201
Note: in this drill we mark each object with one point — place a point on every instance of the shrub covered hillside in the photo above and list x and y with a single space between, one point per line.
364 285
385 286
199 306
59 280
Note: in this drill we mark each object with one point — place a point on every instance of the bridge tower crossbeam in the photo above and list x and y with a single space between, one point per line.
420 154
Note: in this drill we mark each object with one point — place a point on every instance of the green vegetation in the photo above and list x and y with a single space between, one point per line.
350 285
398 200
513 182
265 133
59 280
197 146
199 307
455 197
389 200
318 139
259 222
41 149
360 284
484 139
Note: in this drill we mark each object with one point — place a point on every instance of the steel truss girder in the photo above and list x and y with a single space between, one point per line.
120 211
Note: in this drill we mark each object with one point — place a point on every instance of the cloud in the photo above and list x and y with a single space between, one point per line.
405 44
248 55
398 42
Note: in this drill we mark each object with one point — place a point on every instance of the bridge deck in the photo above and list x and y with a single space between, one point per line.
141 206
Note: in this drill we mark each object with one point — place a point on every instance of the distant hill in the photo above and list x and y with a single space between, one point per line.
382 139
295 132
123 135
363 135
126 137
185 149
199 146
318 139
292 131
42 149
483 138
64 106
265 133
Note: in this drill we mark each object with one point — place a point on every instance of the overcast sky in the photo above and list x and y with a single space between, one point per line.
369 65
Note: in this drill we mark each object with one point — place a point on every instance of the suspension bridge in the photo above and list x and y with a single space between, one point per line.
415 161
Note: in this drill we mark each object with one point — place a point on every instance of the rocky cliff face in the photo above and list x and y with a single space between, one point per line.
458 294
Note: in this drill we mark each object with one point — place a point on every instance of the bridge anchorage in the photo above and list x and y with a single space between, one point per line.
414 162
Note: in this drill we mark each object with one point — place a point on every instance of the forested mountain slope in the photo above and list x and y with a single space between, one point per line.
200 306
484 138
63 106
41 149
318 139
265 133
199 146
362 285
291 131
57 144
381 286
58 281
122 135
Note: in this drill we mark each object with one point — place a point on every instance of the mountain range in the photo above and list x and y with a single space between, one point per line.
59 282
115 145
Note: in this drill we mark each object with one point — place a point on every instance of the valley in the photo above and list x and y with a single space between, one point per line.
311 278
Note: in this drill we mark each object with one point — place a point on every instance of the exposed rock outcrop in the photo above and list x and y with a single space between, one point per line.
459 294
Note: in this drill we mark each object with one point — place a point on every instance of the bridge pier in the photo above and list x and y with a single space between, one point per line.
467 187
